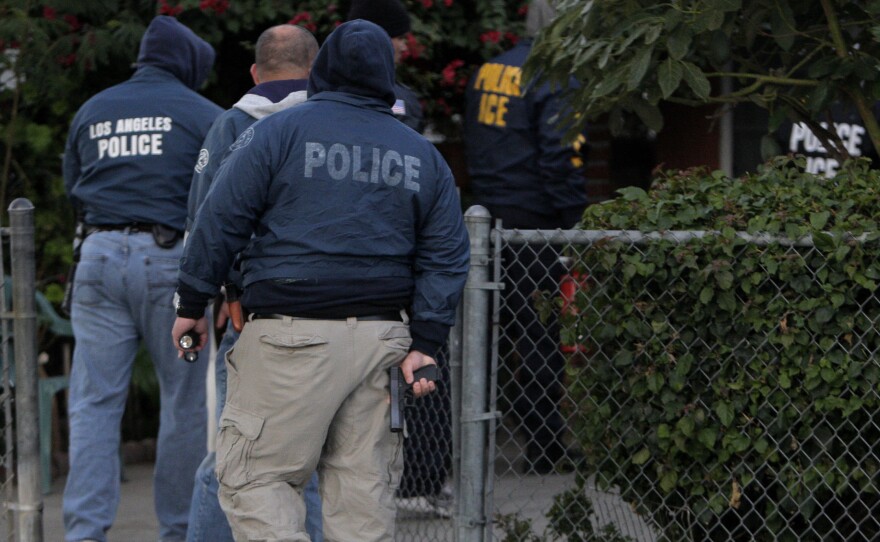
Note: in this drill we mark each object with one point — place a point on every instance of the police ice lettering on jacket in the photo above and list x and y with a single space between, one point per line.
498 82
356 163
802 140
138 136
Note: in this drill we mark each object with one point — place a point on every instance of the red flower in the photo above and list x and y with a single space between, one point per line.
511 37
167 9
48 13
73 22
428 4
219 6
523 9
448 3
490 35
448 75
304 18
414 49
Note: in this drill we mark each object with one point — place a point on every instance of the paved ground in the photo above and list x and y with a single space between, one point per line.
529 496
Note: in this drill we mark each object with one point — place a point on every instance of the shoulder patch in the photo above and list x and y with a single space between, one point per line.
399 107
243 140
202 161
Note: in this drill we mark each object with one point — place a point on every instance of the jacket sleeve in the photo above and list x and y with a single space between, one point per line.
560 164
214 150
71 163
226 219
441 266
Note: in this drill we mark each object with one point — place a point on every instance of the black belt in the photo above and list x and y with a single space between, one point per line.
136 227
382 317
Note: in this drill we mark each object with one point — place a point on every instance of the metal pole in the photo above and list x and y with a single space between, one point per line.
30 498
455 367
470 517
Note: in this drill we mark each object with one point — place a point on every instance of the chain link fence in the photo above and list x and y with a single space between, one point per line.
693 427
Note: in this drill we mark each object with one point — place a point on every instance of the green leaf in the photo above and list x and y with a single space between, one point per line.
670 75
782 24
708 436
696 80
633 193
818 220
648 114
639 67
678 43
724 410
706 295
641 457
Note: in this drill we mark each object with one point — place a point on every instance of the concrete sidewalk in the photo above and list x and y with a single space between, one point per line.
135 520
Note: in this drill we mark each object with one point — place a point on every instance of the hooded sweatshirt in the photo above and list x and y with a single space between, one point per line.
260 101
336 207
131 147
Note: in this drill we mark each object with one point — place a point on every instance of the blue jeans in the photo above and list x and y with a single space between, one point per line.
207 522
123 294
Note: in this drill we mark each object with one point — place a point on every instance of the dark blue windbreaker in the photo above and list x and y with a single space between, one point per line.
131 147
513 143
344 202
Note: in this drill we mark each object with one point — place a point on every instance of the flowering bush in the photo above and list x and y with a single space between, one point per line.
56 54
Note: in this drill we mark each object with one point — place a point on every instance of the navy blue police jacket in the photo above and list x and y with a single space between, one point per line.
337 208
513 144
131 148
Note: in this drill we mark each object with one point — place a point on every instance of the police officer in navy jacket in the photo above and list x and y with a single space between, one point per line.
127 169
354 256
524 174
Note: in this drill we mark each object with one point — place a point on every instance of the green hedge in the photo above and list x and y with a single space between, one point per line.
730 387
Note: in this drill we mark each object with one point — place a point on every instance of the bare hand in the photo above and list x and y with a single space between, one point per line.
182 325
412 362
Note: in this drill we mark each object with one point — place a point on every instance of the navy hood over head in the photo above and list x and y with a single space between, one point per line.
368 66
169 45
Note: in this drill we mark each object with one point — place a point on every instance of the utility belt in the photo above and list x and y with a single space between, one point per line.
164 236
389 316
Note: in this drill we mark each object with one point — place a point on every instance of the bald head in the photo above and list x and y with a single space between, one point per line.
284 52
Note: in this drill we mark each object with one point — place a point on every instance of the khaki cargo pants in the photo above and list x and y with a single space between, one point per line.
310 394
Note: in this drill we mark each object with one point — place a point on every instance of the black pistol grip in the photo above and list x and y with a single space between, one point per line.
397 388
428 372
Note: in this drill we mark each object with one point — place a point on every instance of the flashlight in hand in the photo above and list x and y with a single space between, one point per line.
188 340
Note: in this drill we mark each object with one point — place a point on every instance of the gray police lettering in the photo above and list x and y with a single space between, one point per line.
364 164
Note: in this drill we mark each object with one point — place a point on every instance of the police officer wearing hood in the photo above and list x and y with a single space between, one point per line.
127 169
357 261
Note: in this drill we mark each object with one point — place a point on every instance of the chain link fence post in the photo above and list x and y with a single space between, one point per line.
30 504
470 518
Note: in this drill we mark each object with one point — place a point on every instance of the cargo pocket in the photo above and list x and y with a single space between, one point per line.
396 337
238 431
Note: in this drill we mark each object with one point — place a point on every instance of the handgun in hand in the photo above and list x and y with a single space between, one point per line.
399 390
